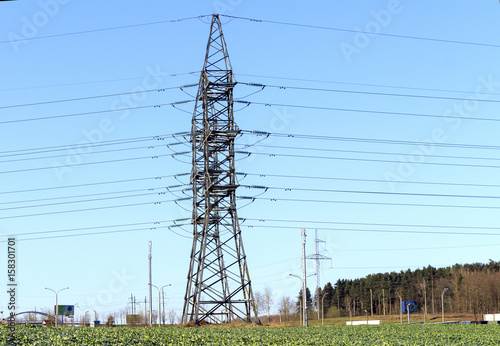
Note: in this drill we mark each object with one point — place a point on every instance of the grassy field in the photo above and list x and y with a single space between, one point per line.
391 334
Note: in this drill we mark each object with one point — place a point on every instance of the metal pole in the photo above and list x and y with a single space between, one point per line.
400 307
150 288
55 307
163 299
304 285
323 310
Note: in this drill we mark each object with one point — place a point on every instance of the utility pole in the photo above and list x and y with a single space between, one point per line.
317 257
425 300
371 302
304 277
163 305
218 285
150 289
383 299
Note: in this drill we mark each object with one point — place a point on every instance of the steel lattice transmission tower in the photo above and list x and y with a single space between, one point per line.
218 283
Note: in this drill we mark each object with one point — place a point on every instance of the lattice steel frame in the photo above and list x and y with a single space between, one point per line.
218 283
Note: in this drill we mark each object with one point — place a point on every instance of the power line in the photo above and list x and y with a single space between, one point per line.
88 163
107 29
362 32
41 150
149 190
370 140
265 175
364 159
89 97
86 209
91 184
93 113
369 203
376 230
367 152
372 224
364 92
372 192
99 81
361 84
364 111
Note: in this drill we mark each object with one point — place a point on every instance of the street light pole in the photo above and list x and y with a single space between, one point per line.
442 301
304 285
400 307
159 303
55 307
150 287
85 319
163 301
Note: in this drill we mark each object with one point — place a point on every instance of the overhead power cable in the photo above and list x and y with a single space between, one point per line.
91 97
366 111
371 224
362 84
368 152
372 192
364 92
99 81
150 191
85 164
108 29
274 227
265 175
370 203
86 209
371 140
90 184
362 32
364 159
92 113
42 150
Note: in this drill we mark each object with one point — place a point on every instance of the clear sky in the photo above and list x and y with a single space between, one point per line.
394 161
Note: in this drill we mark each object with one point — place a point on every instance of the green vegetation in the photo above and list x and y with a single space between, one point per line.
417 334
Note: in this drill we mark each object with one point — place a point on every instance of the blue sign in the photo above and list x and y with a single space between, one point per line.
408 306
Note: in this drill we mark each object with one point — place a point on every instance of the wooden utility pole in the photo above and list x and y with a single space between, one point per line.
425 300
383 298
371 302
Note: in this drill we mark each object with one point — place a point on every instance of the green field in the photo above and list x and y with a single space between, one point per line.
417 334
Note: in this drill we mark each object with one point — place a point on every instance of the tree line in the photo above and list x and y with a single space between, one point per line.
468 288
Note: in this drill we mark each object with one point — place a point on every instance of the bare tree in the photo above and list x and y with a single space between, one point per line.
172 316
268 299
285 307
259 302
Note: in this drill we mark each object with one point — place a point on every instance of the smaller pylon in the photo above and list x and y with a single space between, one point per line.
317 257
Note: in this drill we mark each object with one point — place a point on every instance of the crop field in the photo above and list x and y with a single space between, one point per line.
344 335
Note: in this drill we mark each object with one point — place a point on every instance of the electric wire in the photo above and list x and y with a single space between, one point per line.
367 152
106 29
429 39
371 203
91 113
363 84
89 184
364 159
369 140
407 114
282 87
377 230
290 189
91 97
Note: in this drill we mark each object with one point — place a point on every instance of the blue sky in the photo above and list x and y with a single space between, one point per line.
398 125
